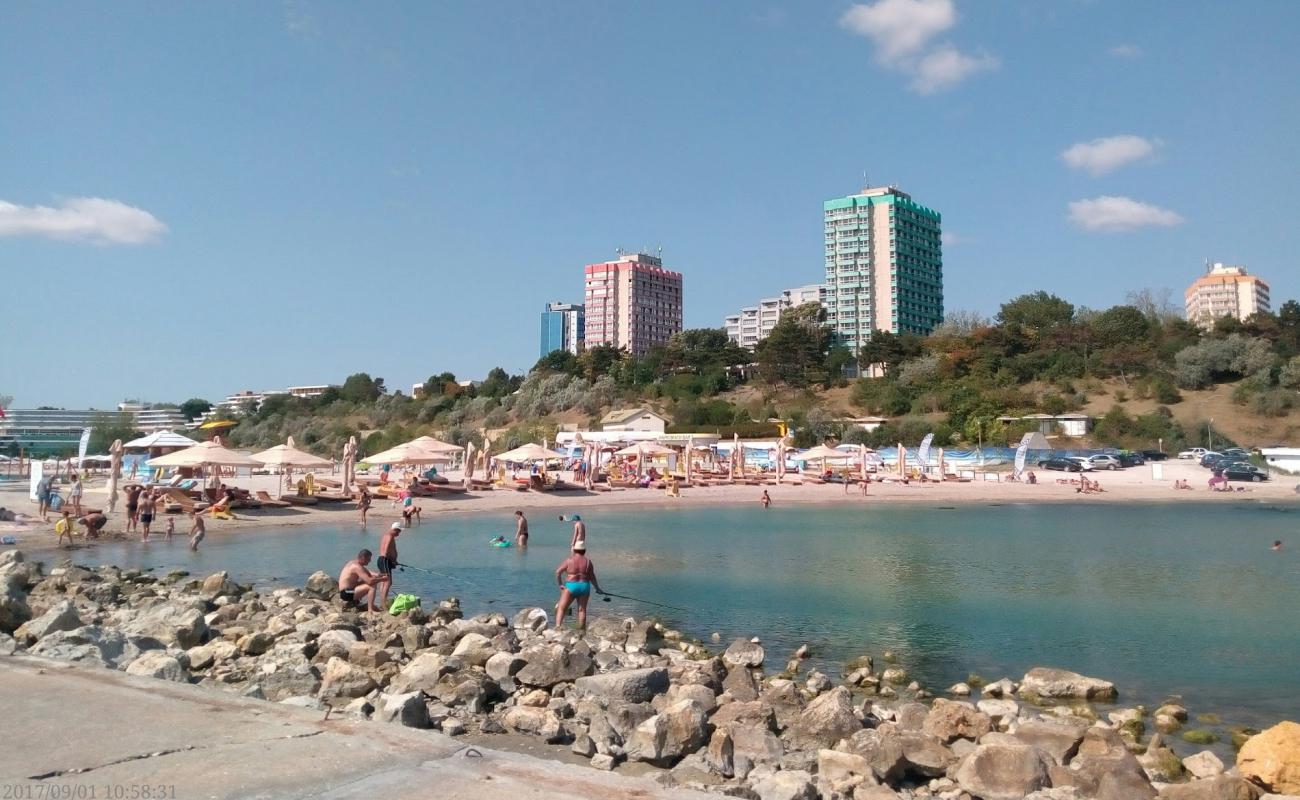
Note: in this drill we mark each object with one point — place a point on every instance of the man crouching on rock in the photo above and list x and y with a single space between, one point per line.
357 584
576 576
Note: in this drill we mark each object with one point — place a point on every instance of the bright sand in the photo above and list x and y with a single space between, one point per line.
1133 485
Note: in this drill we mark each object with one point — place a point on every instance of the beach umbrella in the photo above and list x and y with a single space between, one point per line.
902 460
286 455
204 454
349 465
822 452
162 439
690 454
645 449
468 470
218 424
528 452
408 453
435 445
780 459
115 473
737 459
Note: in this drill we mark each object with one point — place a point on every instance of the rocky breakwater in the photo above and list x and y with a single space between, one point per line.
631 691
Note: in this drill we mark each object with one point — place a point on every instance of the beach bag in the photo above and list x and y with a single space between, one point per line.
403 602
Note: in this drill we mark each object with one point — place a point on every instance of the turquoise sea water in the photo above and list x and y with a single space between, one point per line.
1160 599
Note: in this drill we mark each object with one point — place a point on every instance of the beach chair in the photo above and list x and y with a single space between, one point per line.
298 500
270 502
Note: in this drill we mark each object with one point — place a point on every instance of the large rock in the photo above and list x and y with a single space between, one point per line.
474 649
645 637
335 643
740 684
882 751
14 610
629 685
530 619
283 674
667 736
218 584
552 664
210 654
173 625
1003 771
786 785
321 586
343 679
836 766
950 719
62 616
1223 787
158 664
753 745
1272 758
1058 684
93 645
743 653
406 709
1059 739
537 721
825 721
1204 764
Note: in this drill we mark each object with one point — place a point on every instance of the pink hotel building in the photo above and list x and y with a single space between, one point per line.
632 303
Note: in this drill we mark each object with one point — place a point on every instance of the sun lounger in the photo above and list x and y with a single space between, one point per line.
271 502
299 500
329 483
332 497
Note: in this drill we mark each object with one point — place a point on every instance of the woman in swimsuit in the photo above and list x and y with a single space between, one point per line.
577 577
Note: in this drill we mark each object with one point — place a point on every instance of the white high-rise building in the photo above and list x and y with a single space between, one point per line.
1224 291
753 324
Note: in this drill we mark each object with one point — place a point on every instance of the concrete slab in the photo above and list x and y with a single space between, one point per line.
85 727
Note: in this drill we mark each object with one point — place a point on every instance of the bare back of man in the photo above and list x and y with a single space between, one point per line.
357 584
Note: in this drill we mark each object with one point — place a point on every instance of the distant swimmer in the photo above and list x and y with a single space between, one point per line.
499 541
766 499
579 529
577 577
1277 546
521 529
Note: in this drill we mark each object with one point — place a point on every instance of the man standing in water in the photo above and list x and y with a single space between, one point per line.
576 576
579 529
387 561
521 529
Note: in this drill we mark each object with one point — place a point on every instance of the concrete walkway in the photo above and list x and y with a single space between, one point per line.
118 735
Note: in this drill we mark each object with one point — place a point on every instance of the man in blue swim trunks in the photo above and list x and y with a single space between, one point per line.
577 577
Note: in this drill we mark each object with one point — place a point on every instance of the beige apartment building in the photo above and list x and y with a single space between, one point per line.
632 303
1224 291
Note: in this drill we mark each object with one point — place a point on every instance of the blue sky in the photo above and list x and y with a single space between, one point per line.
201 198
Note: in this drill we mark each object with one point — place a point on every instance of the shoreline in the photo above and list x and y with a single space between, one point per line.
1127 487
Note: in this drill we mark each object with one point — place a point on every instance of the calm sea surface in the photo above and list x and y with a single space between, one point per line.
1160 599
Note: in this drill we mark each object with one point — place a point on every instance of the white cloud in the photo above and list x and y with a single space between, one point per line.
92 219
300 19
1109 153
1125 51
900 28
902 32
1111 214
946 67
949 238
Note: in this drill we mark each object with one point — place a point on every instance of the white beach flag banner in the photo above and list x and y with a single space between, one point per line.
81 448
1021 452
923 453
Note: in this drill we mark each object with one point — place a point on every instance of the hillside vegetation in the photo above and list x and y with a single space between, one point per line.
1144 373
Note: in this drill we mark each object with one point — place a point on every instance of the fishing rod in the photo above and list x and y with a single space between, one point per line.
606 595
442 575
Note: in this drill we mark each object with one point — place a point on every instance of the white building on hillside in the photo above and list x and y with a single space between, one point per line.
753 324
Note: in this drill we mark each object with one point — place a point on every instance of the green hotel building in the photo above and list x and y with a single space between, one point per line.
884 266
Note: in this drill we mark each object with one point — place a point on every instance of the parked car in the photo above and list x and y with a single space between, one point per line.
1221 462
1082 461
1155 455
1132 459
1242 471
1237 451
1194 453
1209 457
1103 461
1062 464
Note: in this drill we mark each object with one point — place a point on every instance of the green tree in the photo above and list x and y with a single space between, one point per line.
361 388
107 426
441 384
889 349
561 361
1120 325
499 383
601 360
1037 312
795 351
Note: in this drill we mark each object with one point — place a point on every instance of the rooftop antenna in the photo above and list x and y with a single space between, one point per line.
866 181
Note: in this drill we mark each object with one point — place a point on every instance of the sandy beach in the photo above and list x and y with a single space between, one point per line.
1133 485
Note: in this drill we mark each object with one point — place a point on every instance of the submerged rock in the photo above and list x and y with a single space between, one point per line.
1056 684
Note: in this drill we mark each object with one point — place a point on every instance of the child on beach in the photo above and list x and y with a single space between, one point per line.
171 527
64 528
197 532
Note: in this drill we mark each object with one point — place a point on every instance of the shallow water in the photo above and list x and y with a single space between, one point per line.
1160 599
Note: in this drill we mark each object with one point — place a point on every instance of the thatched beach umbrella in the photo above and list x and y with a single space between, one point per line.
902 460
780 459
468 470
409 453
114 473
288 456
690 456
737 458
528 452
862 454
